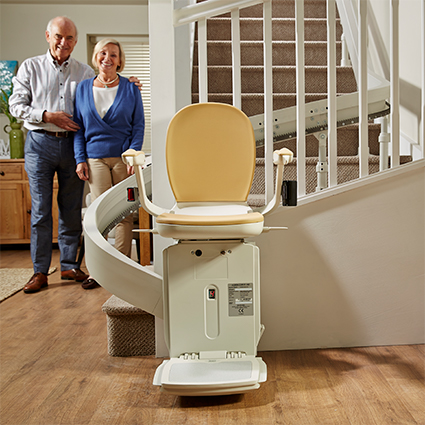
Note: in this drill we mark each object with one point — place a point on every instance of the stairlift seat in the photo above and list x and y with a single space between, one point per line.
209 163
216 220
183 226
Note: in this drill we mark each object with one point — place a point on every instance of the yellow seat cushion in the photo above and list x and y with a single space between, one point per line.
214 220
210 154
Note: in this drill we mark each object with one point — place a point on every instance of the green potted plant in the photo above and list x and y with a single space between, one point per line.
16 135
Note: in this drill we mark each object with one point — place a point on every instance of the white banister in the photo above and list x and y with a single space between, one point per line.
345 58
363 95
268 99
395 84
384 140
332 120
202 61
236 59
300 79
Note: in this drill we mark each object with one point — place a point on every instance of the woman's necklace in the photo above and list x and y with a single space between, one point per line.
109 83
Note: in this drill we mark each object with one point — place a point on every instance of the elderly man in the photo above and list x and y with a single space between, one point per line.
43 96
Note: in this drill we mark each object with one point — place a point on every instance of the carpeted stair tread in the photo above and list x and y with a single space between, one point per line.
130 330
283 29
284 79
283 52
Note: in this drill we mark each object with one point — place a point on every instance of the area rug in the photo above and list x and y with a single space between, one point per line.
13 280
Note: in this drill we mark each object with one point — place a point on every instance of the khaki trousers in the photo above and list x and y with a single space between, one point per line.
103 174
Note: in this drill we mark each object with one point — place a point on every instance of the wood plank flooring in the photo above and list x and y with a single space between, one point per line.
55 369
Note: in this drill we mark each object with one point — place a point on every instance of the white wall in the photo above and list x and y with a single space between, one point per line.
22 28
349 271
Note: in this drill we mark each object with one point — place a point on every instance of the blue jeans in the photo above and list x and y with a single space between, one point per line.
45 155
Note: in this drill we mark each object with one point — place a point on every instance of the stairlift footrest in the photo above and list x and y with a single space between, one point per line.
210 377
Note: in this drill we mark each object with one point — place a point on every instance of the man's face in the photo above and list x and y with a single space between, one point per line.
62 39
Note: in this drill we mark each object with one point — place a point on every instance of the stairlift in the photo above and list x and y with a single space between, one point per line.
211 274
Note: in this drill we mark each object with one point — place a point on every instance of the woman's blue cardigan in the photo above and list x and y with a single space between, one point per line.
121 128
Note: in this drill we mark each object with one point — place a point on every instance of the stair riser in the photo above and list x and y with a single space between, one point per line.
220 53
284 80
282 29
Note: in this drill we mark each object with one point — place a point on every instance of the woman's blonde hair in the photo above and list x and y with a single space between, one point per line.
101 44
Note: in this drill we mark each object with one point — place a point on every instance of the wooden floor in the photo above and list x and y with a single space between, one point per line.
55 370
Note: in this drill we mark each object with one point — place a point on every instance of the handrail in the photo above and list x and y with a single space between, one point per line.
208 9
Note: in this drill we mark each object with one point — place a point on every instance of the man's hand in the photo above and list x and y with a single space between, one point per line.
136 81
61 119
83 171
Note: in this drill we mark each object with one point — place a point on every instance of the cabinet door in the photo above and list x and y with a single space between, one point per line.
12 224
55 213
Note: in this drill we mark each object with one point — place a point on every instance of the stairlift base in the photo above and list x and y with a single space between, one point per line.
211 318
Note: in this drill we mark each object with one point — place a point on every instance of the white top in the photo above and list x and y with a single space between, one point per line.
41 84
104 98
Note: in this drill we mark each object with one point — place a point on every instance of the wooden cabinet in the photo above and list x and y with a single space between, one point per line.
15 203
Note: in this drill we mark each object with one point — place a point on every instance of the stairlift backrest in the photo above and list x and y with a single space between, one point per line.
210 154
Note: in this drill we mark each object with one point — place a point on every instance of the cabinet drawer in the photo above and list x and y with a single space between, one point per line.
12 227
11 171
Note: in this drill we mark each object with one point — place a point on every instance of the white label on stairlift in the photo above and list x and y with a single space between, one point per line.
241 299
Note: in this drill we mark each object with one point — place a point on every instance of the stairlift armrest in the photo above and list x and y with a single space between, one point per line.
133 158
281 158
136 159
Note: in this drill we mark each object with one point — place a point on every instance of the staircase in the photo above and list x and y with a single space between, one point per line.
284 83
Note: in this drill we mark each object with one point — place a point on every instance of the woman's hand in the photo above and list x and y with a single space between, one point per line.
83 171
130 170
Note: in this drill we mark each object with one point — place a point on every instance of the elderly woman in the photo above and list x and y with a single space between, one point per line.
109 111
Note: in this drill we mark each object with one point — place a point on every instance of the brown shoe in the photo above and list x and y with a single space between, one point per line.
38 281
74 274
89 283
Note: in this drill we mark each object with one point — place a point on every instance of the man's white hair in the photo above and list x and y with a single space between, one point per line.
50 23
